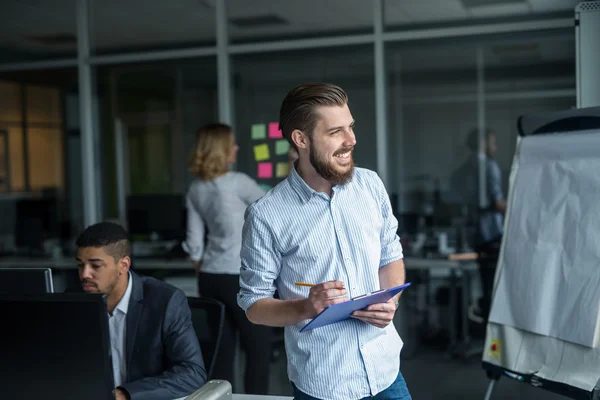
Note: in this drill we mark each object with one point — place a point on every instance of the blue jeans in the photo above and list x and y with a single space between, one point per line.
396 391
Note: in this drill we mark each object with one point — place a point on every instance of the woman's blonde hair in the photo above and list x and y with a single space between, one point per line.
210 157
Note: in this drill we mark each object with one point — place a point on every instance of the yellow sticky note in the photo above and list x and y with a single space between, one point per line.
261 152
282 170
495 349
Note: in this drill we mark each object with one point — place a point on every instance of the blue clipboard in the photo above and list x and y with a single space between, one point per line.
342 311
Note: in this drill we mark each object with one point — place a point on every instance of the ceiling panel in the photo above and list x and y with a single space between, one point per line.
425 10
137 24
553 5
308 17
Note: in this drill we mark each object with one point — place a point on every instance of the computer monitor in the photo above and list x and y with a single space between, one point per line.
36 219
26 281
55 346
164 214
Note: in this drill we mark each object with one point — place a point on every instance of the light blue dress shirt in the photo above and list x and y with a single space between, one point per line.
296 234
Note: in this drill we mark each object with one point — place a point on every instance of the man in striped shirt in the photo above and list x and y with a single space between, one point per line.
330 224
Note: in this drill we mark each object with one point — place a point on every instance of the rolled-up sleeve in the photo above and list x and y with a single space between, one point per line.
261 261
391 249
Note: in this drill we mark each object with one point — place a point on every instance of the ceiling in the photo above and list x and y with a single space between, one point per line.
40 28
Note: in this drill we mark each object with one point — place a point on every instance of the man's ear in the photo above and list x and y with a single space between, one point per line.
300 139
124 265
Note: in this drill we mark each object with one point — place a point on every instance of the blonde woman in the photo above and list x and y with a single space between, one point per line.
216 202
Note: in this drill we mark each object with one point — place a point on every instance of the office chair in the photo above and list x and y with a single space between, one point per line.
208 318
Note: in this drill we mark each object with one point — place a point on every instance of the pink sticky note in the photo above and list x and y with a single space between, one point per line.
265 170
274 132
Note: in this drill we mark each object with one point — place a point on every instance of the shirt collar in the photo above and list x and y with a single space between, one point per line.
303 190
123 304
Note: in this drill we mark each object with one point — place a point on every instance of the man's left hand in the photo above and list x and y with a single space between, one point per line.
379 315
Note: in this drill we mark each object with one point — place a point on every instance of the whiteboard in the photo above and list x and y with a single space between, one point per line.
545 311
550 281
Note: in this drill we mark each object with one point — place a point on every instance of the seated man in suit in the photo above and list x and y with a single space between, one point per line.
155 351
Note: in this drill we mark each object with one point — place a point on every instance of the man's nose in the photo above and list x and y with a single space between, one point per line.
85 272
350 139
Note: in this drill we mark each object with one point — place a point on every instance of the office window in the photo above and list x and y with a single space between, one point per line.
45 147
43 134
532 74
262 82
432 92
160 107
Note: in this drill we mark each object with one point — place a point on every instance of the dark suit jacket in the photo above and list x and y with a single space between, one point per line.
163 357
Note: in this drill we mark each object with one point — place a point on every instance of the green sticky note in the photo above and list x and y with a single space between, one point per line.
282 147
259 131
261 152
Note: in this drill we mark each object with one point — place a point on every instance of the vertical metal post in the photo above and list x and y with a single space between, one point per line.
481 165
122 159
90 184
25 139
223 64
380 93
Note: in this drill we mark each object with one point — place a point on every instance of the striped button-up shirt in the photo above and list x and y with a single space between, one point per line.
297 234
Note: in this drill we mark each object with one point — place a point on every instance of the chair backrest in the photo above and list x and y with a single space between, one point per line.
208 318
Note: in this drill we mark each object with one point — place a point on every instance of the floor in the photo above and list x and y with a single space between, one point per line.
432 375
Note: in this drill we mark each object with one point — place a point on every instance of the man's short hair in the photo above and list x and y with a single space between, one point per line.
298 110
108 235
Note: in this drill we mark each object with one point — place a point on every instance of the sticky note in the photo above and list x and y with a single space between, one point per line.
282 170
265 187
265 170
259 131
261 152
274 132
282 147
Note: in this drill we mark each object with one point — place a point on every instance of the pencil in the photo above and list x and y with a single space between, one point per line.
304 284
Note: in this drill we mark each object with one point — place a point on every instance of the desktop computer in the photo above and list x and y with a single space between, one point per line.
55 347
160 214
26 281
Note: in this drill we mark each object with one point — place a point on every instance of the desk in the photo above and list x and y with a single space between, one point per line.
464 269
456 269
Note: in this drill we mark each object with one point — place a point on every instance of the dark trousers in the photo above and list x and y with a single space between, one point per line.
488 258
255 339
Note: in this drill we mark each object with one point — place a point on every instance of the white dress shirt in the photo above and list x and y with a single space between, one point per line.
117 323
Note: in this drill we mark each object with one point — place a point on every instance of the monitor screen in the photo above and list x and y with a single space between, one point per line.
26 281
161 214
55 346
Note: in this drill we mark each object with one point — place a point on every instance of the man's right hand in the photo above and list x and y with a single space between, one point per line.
323 295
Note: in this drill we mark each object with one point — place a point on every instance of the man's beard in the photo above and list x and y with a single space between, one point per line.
327 169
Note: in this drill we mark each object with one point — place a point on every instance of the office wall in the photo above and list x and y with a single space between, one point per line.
261 82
